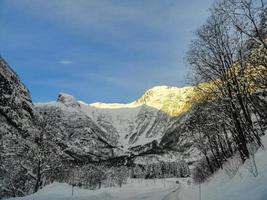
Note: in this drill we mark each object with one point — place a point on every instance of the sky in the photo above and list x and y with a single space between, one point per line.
99 50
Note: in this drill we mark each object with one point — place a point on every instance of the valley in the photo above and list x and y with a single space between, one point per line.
131 100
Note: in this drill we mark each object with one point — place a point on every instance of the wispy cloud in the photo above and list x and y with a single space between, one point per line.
65 62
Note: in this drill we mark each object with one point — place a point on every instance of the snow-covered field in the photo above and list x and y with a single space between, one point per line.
134 189
243 186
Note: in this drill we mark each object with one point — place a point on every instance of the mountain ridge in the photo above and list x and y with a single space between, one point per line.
139 123
172 100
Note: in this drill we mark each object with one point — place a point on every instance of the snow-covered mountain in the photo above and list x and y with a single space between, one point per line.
130 127
173 101
16 108
76 133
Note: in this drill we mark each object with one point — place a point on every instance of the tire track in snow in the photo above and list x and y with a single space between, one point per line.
174 194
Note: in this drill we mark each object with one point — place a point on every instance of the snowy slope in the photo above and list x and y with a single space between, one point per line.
134 126
138 123
116 121
147 120
243 186
78 134
173 101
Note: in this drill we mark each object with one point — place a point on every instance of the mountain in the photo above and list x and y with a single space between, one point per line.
16 108
16 127
145 120
134 128
76 133
171 100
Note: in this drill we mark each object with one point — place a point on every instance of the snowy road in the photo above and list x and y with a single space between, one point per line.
169 190
164 194
174 194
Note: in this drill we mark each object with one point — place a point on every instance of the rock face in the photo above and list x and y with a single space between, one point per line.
16 127
16 108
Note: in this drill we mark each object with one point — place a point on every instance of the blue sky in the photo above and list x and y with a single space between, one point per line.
99 50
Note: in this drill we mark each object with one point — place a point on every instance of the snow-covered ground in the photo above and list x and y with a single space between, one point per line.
156 189
243 186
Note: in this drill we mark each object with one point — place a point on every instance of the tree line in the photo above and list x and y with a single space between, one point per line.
161 169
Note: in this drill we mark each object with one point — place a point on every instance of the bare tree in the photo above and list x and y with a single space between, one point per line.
247 16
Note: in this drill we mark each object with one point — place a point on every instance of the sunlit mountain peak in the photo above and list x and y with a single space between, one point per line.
172 100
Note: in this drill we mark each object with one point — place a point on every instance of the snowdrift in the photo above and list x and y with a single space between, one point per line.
243 186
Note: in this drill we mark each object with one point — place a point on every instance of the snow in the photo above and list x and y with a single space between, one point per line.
142 121
156 189
121 120
243 186
171 100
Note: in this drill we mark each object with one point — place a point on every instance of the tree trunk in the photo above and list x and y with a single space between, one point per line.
38 178
209 164
227 141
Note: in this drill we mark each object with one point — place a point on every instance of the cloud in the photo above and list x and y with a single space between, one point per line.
65 62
